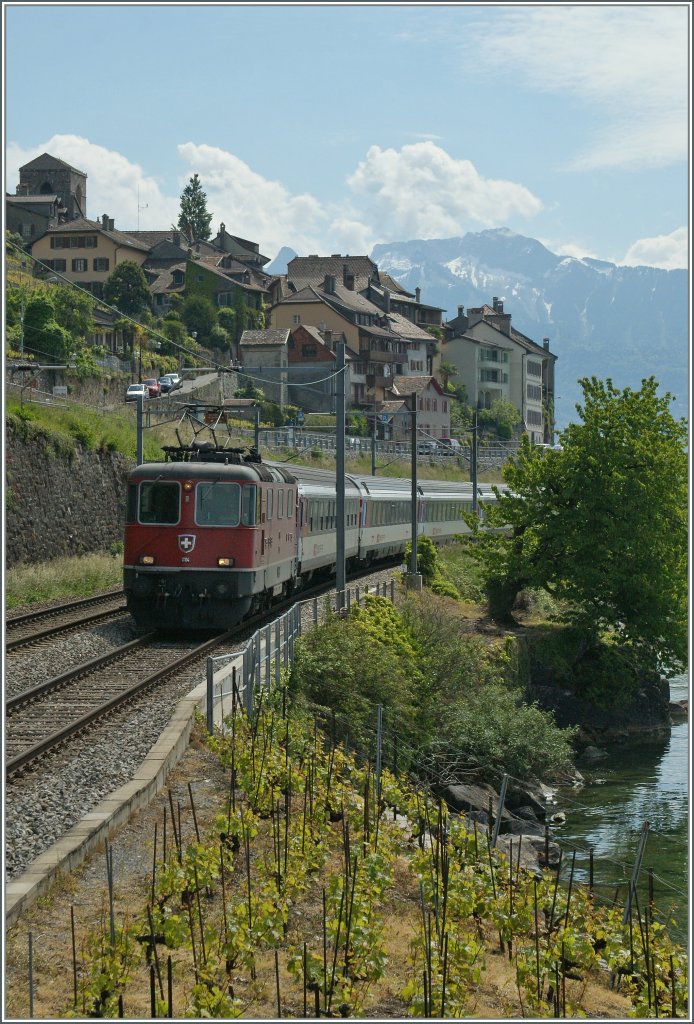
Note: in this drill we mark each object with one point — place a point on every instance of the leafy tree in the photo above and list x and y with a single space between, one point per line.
249 390
194 220
175 330
199 316
42 334
219 338
502 416
601 525
126 288
14 241
227 319
73 311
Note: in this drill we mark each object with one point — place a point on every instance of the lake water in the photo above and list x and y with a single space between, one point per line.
637 783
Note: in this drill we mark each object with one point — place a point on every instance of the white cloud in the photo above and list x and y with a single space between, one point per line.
669 252
574 249
629 62
419 191
422 192
426 136
113 182
250 205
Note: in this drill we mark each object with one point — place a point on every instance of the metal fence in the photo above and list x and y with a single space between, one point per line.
234 680
301 440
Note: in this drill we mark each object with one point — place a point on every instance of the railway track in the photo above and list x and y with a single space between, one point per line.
28 628
49 715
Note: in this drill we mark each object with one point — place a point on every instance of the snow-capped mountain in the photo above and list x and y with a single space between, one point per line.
602 320
279 264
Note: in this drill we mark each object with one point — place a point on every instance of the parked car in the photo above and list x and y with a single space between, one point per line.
169 382
134 392
427 448
152 385
450 446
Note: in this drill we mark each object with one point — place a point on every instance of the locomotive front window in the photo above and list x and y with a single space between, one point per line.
218 504
160 502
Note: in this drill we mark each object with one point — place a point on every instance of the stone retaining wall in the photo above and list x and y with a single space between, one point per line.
57 506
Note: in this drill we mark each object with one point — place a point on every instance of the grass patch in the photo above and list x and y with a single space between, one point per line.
63 578
64 428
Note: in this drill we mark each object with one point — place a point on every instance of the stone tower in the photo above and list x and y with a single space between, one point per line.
46 175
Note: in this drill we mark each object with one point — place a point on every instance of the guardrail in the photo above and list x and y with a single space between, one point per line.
235 679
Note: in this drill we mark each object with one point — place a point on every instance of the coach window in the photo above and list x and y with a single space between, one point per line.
290 504
217 504
269 504
248 499
159 502
280 504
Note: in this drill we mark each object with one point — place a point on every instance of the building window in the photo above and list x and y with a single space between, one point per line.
533 417
490 375
534 369
100 265
310 351
80 266
534 392
59 265
296 319
73 241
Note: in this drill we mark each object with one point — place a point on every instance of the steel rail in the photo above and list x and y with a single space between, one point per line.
12 703
61 735
65 606
23 641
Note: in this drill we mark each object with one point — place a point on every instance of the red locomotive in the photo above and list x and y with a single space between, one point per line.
213 534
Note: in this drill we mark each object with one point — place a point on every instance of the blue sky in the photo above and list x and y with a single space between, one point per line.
328 127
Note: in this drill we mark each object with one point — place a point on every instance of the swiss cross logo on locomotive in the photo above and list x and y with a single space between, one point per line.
186 542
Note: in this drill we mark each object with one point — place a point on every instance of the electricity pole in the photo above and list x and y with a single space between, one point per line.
340 577
473 463
413 579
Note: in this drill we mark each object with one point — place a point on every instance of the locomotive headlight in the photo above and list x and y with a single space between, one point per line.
225 563
188 485
146 559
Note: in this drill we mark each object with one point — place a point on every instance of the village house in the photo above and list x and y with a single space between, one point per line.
265 354
495 361
87 252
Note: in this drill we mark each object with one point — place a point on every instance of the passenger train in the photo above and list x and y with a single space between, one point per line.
213 534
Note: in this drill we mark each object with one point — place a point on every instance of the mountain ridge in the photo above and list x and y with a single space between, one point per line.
603 319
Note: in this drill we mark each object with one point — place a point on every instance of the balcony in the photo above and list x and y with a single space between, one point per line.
375 356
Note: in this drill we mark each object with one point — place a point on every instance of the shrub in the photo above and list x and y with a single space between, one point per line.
493 731
352 666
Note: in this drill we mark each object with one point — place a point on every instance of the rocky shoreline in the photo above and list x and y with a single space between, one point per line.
528 813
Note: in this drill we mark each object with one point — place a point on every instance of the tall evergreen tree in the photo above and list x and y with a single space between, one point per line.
194 220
